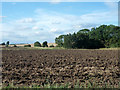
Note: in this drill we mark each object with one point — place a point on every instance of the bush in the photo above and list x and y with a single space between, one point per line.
3 43
113 45
7 44
45 44
27 45
14 45
51 45
37 44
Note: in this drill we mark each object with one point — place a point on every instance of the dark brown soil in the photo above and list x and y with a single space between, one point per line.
39 67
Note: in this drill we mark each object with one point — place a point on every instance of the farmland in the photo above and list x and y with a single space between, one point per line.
42 67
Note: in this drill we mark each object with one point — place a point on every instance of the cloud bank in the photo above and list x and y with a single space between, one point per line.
46 25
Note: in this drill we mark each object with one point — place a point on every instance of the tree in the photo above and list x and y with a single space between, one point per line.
67 41
37 44
7 43
27 45
15 45
105 34
99 37
84 31
45 44
60 40
52 45
3 43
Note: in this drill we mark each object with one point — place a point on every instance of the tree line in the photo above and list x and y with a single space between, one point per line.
104 36
36 44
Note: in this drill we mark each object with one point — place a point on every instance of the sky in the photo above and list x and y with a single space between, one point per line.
27 22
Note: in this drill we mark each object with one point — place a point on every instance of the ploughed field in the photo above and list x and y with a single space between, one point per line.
40 67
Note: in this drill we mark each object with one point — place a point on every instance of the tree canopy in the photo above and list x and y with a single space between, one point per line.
37 44
99 37
45 44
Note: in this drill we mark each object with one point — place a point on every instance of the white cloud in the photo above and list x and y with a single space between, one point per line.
26 20
46 25
112 5
35 28
1 17
55 1
100 17
53 30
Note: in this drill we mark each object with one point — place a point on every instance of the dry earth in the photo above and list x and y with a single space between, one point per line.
39 67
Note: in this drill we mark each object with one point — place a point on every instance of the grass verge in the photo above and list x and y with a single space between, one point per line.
67 85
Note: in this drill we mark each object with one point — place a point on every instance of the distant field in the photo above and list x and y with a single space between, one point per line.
38 48
32 45
29 48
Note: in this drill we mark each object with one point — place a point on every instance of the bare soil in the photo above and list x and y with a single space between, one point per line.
39 67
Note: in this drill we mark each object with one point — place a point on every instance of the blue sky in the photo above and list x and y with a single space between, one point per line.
27 22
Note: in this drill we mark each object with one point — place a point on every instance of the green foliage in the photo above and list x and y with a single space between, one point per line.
27 45
51 45
81 40
60 41
78 85
37 44
99 37
45 44
7 44
3 43
14 45
84 31
109 35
